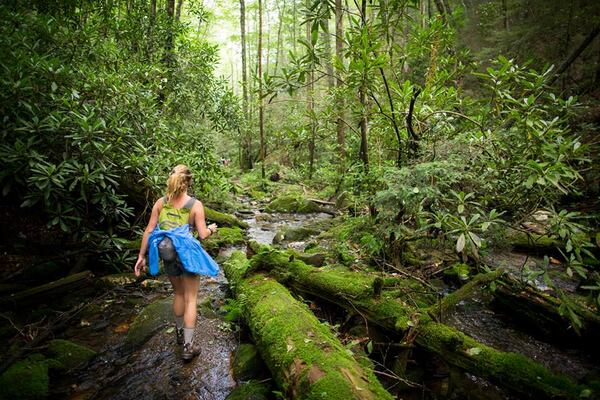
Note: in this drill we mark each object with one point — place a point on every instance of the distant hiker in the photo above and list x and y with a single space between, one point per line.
169 235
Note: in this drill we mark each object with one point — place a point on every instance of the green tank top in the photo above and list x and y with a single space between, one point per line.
171 217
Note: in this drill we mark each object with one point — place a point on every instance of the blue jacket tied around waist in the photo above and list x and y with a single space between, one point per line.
191 254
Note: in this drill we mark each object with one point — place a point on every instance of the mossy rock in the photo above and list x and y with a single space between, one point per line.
247 363
151 319
299 233
224 237
251 390
70 355
26 379
292 202
222 219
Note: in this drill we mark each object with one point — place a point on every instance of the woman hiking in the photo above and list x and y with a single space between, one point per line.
168 236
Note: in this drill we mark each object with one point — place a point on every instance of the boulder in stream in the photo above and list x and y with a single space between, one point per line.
151 319
70 355
292 202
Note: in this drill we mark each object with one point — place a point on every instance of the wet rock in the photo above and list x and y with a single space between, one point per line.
299 233
118 279
70 355
279 236
151 319
266 217
152 283
292 202
247 363
27 379
251 390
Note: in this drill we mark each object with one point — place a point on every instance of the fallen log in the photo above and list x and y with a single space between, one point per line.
540 312
49 290
307 361
223 219
511 370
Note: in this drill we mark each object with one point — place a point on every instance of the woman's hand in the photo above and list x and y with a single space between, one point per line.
212 228
140 265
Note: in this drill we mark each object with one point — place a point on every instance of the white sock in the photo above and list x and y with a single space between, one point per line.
179 321
188 335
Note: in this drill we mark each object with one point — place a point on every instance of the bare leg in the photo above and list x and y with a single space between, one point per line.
179 298
190 293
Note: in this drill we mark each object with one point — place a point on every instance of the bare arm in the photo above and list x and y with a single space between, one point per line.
140 264
200 222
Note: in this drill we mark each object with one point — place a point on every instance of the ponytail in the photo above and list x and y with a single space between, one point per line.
178 182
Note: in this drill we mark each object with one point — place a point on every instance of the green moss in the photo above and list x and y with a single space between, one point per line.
152 318
69 354
251 390
292 202
510 369
222 219
27 379
299 233
247 363
303 355
224 237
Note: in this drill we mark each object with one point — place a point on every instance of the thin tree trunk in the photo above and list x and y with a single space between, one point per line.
245 159
169 42
310 94
261 122
339 48
362 94
280 12
326 38
505 14
576 53
178 11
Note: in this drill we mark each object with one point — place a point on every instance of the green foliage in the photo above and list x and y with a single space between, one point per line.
97 109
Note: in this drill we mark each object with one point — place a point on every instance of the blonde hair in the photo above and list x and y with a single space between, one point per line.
179 180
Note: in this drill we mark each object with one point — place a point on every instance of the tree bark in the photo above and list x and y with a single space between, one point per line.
504 14
339 49
178 10
245 156
305 358
261 122
362 95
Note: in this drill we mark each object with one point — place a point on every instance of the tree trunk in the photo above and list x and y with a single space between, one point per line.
310 98
362 95
261 122
49 290
504 14
245 156
339 49
391 310
304 356
178 11
326 39
280 12
576 53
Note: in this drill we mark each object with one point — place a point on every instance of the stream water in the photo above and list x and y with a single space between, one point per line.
155 370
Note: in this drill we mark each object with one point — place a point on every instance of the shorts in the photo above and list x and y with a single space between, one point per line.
175 268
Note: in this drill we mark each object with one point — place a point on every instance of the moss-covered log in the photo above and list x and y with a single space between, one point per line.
349 289
464 292
223 219
49 290
306 359
540 312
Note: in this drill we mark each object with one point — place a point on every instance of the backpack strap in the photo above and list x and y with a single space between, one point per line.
190 203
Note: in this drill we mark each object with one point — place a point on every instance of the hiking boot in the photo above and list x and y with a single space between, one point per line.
179 335
189 351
